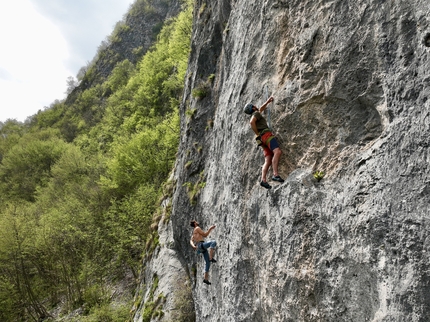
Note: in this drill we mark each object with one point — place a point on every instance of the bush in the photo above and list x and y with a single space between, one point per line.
108 313
199 92
318 175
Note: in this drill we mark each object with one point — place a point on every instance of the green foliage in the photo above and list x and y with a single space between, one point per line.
129 223
8 298
50 116
10 133
189 112
17 263
188 164
199 92
168 212
80 184
138 51
142 5
202 8
194 189
153 308
318 175
108 313
27 165
94 296
119 77
168 188
153 89
202 90
145 158
120 27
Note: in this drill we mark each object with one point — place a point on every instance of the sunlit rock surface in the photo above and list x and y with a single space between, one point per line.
351 83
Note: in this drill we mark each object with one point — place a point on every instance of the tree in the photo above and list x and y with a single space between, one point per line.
27 165
18 271
72 83
80 182
10 133
146 158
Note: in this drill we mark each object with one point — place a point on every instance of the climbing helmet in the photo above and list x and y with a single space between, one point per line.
248 108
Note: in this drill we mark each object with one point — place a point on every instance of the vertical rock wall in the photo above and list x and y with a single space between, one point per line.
351 85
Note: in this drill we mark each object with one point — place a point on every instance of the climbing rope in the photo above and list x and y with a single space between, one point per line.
266 95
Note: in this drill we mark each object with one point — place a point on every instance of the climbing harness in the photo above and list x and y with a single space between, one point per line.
263 131
267 137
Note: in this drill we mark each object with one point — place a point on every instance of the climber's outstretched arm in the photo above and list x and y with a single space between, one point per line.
264 106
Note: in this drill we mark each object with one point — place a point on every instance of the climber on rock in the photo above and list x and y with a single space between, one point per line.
201 246
266 140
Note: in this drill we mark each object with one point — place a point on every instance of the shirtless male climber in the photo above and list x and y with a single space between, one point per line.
202 247
267 140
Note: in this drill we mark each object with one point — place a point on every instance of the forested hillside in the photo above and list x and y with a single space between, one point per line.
81 180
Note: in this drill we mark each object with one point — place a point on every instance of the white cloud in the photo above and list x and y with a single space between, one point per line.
32 60
44 42
84 23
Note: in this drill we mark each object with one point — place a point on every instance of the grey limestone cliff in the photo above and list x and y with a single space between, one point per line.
351 83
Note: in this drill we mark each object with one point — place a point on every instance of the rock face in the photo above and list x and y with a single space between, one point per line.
351 84
165 285
138 33
132 39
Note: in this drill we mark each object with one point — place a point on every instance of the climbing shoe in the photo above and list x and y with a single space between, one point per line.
206 282
265 185
277 178
213 260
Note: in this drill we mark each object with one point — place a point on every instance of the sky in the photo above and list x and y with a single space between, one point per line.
43 42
